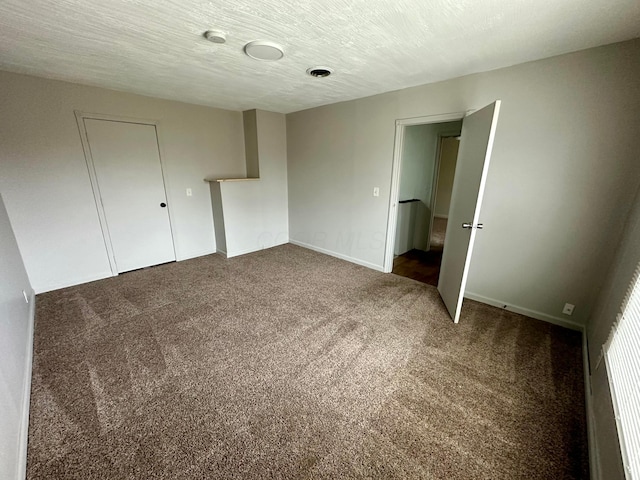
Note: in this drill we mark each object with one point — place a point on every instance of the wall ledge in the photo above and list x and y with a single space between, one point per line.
220 180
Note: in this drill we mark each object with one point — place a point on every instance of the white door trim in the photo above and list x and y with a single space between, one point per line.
395 175
80 117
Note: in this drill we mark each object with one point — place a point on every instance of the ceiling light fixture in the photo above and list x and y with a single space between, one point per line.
264 50
319 72
215 36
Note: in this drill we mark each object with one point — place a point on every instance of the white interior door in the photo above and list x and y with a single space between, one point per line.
476 143
127 165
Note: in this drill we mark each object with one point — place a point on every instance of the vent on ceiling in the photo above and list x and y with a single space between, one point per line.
319 72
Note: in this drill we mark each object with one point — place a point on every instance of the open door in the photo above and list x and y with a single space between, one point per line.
476 144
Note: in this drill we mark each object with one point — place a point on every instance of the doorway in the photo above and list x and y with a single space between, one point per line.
472 166
125 168
427 164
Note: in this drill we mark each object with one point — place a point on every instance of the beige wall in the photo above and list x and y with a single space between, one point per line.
16 330
416 165
448 159
255 212
44 179
417 169
419 158
250 123
564 169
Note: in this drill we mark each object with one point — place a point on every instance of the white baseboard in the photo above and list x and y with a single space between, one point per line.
26 394
231 254
279 244
357 261
107 274
189 256
563 322
592 438
237 253
58 286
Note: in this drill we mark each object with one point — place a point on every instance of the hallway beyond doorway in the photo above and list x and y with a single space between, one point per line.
420 265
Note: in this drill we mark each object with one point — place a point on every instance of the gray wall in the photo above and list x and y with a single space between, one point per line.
255 212
417 162
419 158
250 123
16 327
564 168
417 169
627 257
44 179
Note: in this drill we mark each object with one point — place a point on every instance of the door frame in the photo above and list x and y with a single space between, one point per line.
93 178
401 124
436 178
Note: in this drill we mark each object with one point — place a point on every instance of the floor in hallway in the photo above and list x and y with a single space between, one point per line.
420 265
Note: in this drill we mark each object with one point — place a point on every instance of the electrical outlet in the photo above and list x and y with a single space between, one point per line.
568 309
376 191
189 192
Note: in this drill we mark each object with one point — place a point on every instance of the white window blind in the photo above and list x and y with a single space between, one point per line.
622 357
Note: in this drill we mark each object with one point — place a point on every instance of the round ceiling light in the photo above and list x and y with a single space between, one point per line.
319 72
264 50
215 36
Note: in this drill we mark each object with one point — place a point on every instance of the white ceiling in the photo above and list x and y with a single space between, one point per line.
156 47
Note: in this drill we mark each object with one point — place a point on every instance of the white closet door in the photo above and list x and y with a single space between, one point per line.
131 187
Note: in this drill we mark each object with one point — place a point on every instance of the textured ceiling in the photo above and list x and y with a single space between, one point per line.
156 47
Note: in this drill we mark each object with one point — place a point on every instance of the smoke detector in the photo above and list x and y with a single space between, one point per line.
215 36
264 50
319 72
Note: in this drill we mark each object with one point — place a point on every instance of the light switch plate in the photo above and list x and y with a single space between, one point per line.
376 191
189 192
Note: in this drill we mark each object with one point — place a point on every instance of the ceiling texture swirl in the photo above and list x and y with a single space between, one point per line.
373 46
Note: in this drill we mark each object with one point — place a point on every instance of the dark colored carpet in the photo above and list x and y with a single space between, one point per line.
291 364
